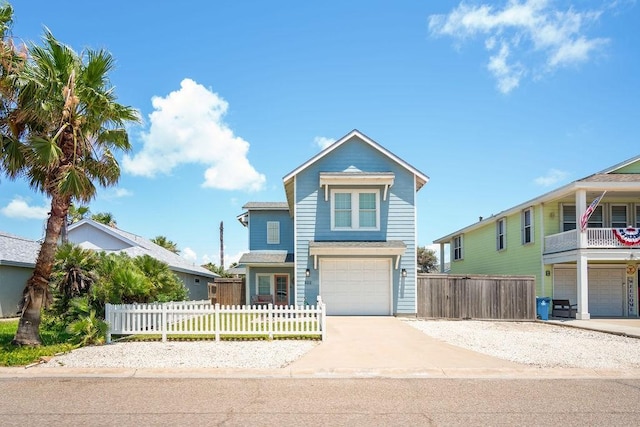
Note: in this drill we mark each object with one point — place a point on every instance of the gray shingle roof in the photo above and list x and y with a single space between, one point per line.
15 250
266 257
266 206
141 246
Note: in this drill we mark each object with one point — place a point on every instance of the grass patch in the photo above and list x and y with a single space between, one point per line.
11 355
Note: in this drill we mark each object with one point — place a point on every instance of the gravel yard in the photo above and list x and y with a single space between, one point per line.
531 343
537 344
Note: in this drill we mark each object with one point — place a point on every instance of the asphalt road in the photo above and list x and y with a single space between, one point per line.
326 402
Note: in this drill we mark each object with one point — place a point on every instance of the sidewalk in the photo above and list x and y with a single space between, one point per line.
629 327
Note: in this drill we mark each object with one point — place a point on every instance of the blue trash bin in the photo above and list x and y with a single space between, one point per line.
542 307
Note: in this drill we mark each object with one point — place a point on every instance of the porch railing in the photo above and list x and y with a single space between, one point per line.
203 318
601 238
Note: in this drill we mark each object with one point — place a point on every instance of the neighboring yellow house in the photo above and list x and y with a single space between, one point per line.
595 267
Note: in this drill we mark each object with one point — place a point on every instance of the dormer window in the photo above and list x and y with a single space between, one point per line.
355 209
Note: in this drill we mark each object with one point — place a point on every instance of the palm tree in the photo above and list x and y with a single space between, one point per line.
166 243
11 63
69 124
77 213
105 218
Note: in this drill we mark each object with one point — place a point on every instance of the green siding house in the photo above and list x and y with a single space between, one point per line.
580 241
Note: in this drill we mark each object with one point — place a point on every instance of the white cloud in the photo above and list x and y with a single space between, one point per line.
519 29
117 193
187 127
323 142
552 177
19 208
189 254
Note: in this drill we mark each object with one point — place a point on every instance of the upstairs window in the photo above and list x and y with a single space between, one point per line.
619 216
501 226
568 217
273 232
596 220
355 210
527 226
457 248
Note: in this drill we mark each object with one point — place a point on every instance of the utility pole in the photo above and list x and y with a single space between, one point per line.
221 245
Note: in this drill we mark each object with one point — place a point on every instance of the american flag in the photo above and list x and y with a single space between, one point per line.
584 219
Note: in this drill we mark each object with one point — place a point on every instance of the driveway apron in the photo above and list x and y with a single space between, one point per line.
374 343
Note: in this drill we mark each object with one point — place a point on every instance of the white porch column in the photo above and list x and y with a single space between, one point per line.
582 264
442 258
583 287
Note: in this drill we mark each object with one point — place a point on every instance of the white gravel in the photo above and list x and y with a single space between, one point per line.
185 354
531 343
536 344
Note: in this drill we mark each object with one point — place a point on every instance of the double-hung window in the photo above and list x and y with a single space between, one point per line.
527 226
457 248
568 217
501 229
264 284
355 210
619 216
273 232
596 220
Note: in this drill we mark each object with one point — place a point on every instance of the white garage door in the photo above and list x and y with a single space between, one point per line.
606 289
356 286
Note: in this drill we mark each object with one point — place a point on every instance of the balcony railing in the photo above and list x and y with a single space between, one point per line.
601 238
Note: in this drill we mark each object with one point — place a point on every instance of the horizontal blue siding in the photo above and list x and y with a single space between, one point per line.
397 217
258 230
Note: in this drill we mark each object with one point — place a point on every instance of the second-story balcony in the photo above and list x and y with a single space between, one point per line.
597 238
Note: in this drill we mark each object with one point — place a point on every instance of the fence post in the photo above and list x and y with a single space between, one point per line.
107 316
323 317
216 311
270 320
164 322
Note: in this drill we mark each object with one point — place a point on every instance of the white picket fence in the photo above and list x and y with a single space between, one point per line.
203 318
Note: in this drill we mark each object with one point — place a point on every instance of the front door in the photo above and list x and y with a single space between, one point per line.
282 289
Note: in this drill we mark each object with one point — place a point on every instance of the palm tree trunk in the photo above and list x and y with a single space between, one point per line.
36 294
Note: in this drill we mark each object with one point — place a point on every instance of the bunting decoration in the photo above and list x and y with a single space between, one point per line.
629 236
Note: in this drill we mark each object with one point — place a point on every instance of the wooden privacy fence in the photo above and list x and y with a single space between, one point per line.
227 291
203 318
451 296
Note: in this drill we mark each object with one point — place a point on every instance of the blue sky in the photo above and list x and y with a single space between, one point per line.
497 102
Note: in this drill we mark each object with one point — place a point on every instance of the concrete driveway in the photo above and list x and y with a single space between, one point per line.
363 343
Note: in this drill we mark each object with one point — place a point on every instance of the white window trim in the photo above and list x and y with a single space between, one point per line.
573 219
276 226
626 210
502 221
270 276
453 248
531 227
355 210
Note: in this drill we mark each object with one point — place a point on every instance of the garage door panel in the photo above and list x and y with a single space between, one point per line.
606 290
356 286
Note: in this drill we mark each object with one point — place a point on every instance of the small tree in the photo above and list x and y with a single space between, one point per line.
166 243
427 260
105 218
216 269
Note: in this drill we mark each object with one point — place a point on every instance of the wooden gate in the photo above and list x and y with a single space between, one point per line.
451 296
228 291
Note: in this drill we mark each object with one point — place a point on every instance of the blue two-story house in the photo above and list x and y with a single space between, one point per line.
346 233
